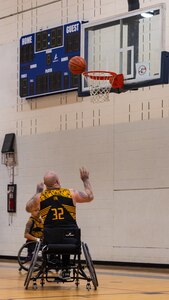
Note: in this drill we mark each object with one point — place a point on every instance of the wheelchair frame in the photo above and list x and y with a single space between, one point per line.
79 270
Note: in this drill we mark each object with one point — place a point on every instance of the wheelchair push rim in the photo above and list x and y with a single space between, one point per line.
23 258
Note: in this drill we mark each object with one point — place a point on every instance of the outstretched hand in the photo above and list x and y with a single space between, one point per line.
84 174
87 194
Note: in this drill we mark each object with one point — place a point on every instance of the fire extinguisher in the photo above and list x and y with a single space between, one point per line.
11 198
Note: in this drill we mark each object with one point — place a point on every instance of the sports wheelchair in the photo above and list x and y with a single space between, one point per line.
58 242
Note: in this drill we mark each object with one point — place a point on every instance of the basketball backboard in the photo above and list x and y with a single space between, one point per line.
131 44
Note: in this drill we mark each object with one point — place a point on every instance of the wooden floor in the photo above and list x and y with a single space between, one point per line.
114 284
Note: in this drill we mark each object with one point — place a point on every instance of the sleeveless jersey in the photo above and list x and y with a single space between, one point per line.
57 208
37 227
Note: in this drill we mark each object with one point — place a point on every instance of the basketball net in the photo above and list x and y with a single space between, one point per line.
100 84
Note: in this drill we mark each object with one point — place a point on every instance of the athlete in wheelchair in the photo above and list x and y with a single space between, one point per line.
61 245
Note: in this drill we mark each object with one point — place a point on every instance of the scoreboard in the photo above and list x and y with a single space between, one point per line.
44 58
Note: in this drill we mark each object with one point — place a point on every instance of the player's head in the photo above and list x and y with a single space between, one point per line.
51 180
35 211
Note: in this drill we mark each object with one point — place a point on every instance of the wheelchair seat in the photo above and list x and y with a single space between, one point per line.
59 242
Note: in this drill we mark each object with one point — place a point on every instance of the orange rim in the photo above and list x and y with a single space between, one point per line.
98 75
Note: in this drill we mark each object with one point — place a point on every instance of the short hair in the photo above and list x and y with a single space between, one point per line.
32 204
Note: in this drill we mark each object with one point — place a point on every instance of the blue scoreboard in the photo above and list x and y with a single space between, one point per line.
44 58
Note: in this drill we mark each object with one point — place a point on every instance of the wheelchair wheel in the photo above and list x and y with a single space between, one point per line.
90 265
24 260
32 265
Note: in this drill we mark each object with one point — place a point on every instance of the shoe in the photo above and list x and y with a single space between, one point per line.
64 274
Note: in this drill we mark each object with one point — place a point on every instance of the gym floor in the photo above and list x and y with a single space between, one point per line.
115 283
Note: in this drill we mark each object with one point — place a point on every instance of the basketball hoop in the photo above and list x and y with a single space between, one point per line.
101 82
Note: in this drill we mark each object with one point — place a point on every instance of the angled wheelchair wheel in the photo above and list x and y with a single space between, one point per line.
32 264
25 255
90 265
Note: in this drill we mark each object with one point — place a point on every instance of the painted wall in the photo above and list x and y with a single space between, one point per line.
124 143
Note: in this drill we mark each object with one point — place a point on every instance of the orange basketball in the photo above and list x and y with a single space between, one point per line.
77 65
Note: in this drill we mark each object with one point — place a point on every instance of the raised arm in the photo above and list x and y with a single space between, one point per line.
33 202
87 194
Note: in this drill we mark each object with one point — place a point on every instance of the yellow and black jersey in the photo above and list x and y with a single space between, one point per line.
57 208
36 227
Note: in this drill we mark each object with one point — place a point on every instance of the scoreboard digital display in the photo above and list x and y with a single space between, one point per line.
44 58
